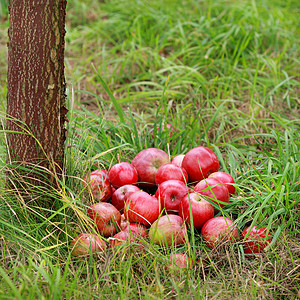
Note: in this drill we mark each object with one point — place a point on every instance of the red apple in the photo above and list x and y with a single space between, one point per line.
122 173
170 172
121 238
224 178
99 184
202 210
101 172
255 239
147 162
179 261
177 160
142 208
106 217
120 196
214 189
86 242
200 162
162 129
168 230
138 229
170 193
219 230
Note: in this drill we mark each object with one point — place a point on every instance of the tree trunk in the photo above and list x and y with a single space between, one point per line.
36 84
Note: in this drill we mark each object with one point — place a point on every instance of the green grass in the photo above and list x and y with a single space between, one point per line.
226 75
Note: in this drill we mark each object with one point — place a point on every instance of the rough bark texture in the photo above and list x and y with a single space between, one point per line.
36 82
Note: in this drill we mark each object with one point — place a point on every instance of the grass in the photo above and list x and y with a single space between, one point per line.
226 75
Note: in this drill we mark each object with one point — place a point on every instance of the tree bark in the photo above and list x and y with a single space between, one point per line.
36 86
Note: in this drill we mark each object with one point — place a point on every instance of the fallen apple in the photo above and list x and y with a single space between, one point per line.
106 218
215 190
202 210
219 230
255 239
122 173
225 178
86 243
179 261
170 172
199 162
177 160
120 196
170 193
142 208
147 162
99 184
168 230
122 237
138 229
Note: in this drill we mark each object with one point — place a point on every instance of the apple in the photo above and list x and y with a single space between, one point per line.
168 230
199 162
179 261
142 208
202 210
214 189
177 160
85 243
138 229
99 184
147 162
170 193
255 239
106 218
101 172
169 128
121 238
122 173
224 178
120 196
217 230
169 172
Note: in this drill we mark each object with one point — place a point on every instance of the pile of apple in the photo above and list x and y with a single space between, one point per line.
153 197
